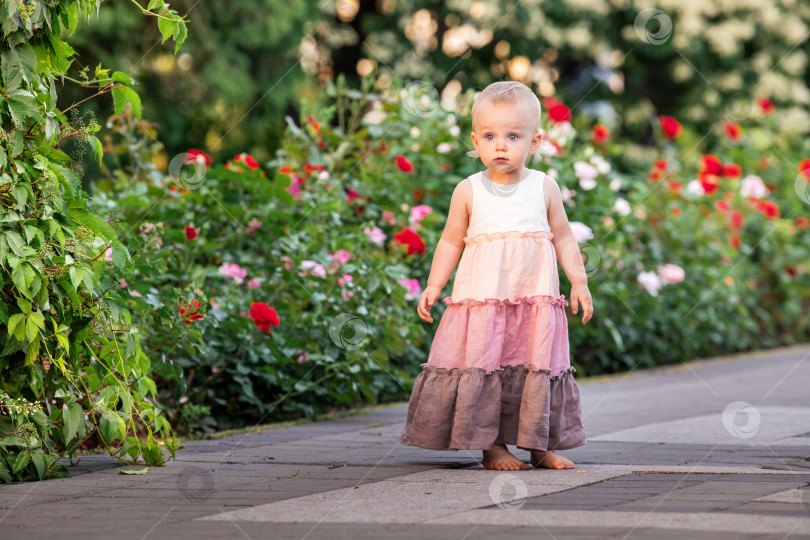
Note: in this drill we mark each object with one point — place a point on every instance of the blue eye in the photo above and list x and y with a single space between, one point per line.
487 136
513 135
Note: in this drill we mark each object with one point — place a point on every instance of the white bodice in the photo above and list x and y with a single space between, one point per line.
501 208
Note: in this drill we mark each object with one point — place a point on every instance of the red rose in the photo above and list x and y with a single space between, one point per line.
711 164
661 164
709 182
732 170
675 186
766 105
670 127
736 219
352 196
769 208
735 241
600 134
804 168
559 113
802 222
191 232
247 159
263 316
733 131
403 164
409 238
418 195
198 155
676 211
188 310
721 205
309 168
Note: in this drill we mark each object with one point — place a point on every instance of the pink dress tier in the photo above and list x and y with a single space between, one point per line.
499 368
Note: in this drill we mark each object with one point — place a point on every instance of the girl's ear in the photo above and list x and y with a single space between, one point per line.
536 140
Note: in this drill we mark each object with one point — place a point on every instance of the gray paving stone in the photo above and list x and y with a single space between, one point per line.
244 471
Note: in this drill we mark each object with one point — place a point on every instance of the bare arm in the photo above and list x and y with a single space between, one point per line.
448 249
567 249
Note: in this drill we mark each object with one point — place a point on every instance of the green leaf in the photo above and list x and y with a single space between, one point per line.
21 196
112 426
120 76
180 34
72 10
13 321
97 225
12 75
16 243
18 276
124 94
31 352
145 384
38 319
166 26
63 341
22 108
21 461
4 474
120 255
73 417
24 305
133 471
98 150
31 330
38 457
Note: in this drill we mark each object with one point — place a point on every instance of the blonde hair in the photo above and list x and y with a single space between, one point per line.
511 92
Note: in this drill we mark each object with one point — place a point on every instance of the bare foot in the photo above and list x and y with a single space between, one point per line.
550 460
500 458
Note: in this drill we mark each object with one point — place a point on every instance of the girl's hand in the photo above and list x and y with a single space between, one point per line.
426 301
581 295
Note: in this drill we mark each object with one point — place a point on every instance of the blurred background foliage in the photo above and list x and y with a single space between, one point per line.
247 63
313 91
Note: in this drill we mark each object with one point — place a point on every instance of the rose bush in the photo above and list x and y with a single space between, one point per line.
307 268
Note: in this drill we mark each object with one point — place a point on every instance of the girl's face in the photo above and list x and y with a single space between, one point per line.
504 135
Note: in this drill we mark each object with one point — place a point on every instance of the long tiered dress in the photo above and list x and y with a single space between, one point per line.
499 369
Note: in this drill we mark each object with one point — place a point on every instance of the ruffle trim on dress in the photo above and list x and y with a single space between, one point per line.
506 370
484 237
472 409
536 299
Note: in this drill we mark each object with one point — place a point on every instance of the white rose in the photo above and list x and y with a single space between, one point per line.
581 231
650 281
621 207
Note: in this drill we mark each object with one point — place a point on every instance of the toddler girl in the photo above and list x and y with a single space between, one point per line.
499 370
